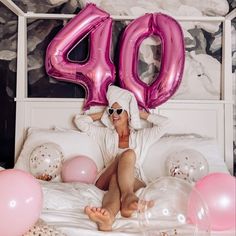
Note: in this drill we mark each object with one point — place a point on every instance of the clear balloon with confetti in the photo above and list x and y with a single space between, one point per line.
46 161
187 164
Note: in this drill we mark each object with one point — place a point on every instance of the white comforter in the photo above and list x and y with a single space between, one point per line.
64 204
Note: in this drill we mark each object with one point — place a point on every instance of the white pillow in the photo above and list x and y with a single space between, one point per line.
72 143
154 164
75 143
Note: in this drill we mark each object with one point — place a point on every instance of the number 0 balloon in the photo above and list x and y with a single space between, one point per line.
172 59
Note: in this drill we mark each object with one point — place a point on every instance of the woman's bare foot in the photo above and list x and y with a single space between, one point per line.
129 204
101 216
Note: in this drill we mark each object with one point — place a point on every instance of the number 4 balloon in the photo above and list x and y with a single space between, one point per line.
98 72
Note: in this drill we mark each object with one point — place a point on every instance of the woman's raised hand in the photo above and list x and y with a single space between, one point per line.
143 114
97 115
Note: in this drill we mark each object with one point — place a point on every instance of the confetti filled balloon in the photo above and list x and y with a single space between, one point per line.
41 228
187 164
46 161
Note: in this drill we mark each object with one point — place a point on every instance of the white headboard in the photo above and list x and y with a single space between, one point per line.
207 119
212 118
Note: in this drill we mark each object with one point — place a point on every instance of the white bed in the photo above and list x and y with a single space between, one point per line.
64 202
205 125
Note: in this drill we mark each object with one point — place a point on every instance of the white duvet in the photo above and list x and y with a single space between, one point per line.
64 204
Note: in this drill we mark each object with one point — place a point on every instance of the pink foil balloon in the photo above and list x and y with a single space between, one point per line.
20 202
172 61
96 74
79 169
218 191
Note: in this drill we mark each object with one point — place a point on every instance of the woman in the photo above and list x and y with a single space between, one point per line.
124 146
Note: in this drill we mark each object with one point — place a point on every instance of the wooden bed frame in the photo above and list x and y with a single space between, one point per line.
213 118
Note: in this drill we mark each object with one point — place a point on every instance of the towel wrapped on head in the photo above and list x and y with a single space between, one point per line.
127 101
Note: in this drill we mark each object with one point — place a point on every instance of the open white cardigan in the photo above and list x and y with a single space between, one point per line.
139 140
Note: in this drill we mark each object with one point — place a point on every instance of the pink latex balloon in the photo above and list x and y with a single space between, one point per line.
79 169
218 191
20 202
96 74
172 60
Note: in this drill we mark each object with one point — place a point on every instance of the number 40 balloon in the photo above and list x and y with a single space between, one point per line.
97 73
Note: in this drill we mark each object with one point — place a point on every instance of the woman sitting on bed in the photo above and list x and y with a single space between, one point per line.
124 146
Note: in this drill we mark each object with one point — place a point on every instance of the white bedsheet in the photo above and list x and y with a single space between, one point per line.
64 204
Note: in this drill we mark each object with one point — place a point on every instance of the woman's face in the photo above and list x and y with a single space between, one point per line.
118 117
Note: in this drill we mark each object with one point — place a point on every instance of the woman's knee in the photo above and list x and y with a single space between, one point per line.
128 154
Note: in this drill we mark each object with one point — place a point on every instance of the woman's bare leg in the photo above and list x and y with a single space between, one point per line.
122 186
104 180
104 216
127 183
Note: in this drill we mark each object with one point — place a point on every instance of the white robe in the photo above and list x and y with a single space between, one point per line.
139 140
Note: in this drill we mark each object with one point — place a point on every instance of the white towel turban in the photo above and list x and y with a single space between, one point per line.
126 100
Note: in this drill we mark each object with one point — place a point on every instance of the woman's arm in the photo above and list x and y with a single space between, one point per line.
160 126
85 122
143 115
96 116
